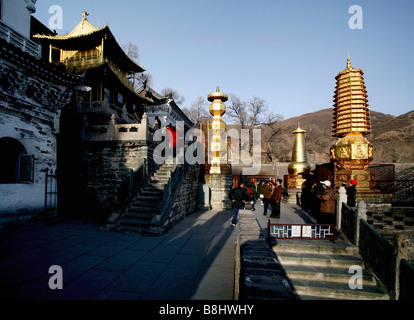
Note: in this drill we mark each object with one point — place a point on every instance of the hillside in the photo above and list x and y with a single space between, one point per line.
391 137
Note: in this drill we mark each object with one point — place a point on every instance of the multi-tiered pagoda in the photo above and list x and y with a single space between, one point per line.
352 153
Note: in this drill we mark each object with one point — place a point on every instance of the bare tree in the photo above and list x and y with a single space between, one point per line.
144 79
253 114
179 99
197 113
236 111
131 50
250 114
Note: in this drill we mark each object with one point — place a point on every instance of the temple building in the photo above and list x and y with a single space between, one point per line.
107 133
32 95
109 72
163 108
352 153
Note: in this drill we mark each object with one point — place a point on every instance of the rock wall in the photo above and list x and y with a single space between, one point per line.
186 199
106 165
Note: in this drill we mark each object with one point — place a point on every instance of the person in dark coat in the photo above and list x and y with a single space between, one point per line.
275 199
327 211
351 192
267 191
238 196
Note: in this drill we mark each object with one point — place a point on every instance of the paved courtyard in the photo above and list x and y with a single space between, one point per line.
194 260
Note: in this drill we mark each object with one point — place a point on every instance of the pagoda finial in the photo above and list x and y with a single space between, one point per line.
218 89
348 63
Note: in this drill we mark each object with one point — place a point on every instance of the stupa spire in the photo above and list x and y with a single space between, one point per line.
350 113
299 161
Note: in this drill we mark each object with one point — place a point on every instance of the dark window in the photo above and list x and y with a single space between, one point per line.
15 164
26 163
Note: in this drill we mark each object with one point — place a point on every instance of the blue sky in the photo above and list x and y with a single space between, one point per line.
285 52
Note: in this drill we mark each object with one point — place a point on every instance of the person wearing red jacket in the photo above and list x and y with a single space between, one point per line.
172 138
275 199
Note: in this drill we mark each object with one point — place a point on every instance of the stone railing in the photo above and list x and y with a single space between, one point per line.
389 261
26 45
130 186
105 107
121 132
169 198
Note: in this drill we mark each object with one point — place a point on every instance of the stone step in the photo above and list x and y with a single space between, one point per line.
340 247
159 179
142 210
161 175
147 204
313 259
135 222
313 289
326 274
151 187
153 193
146 198
138 215
157 184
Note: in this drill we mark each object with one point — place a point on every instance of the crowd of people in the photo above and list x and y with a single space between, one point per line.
270 194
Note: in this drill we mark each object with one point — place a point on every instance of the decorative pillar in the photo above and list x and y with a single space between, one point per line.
361 215
341 198
217 136
218 172
400 252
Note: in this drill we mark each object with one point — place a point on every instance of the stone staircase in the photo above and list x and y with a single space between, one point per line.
145 205
320 269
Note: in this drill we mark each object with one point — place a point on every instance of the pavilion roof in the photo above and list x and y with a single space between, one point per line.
85 37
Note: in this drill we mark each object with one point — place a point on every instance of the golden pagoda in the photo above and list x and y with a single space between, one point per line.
217 152
298 169
299 162
352 153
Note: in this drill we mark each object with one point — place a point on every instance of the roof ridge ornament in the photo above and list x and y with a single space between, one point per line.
84 15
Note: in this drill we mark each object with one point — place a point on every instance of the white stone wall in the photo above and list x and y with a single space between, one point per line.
39 141
17 15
